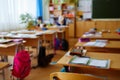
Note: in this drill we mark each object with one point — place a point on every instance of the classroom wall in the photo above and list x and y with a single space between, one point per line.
84 26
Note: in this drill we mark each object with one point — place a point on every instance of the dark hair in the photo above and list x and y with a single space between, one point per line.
39 18
44 25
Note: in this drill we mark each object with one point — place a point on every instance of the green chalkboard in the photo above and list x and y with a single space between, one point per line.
105 9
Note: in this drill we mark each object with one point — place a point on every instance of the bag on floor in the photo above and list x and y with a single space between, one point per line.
64 45
44 60
41 56
57 43
21 64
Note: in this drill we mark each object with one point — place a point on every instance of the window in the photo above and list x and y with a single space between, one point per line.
10 11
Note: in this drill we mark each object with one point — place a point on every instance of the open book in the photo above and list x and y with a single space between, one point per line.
101 63
97 43
79 60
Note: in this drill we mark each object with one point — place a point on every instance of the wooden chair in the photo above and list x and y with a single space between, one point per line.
3 65
72 76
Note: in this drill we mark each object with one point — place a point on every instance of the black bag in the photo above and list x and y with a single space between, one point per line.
65 45
44 60
42 52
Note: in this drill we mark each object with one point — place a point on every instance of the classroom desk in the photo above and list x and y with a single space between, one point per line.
105 35
111 46
34 37
2 66
113 73
29 36
62 31
48 36
9 48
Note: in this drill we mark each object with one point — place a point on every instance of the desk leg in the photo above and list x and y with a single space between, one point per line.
66 68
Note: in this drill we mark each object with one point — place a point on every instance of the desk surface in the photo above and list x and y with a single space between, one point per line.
114 58
108 36
9 48
9 44
3 65
110 44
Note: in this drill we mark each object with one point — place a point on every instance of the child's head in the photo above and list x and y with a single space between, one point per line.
39 19
44 25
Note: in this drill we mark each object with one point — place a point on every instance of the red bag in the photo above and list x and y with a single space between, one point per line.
21 64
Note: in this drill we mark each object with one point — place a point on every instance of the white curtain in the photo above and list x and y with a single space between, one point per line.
45 9
10 11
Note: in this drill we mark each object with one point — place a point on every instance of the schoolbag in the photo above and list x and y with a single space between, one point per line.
41 56
57 43
64 45
21 64
43 60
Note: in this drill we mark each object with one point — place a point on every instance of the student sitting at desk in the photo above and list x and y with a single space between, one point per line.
61 20
44 27
39 22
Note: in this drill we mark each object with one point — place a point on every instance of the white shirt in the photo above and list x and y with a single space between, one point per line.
60 19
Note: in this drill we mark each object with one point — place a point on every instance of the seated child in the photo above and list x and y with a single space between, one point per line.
39 21
44 27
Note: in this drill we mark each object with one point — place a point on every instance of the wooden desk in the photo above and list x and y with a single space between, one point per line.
49 35
2 66
111 46
106 35
8 49
31 39
34 42
29 36
112 74
60 30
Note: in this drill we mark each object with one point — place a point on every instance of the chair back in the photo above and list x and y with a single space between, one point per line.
72 76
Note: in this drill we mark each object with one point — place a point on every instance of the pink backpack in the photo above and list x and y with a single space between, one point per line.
21 64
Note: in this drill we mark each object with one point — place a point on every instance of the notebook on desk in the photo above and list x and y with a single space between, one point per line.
97 43
98 63
79 60
102 63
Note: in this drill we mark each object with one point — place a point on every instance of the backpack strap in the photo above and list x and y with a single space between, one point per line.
19 47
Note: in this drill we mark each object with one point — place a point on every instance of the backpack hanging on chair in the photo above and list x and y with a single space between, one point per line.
21 64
